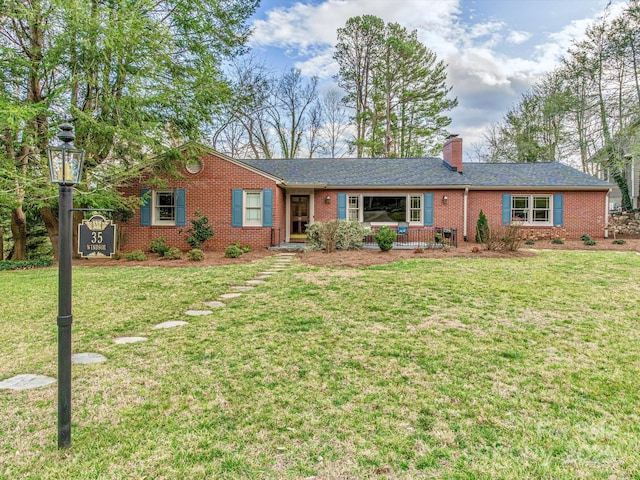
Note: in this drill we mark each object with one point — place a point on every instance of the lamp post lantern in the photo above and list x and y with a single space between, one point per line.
65 168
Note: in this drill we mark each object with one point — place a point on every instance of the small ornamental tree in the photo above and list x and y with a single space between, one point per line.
200 231
482 228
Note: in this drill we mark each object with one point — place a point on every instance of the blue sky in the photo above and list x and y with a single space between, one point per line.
495 49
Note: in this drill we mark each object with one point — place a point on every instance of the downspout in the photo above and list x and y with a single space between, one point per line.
465 212
606 214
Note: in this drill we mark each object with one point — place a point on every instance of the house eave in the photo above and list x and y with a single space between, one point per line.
212 151
396 187
563 188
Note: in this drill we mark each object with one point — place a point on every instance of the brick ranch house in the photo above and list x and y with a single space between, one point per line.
264 203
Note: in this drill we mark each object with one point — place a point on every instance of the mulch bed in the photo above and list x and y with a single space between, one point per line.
364 257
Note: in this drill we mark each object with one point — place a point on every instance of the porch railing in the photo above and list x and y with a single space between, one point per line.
425 237
275 237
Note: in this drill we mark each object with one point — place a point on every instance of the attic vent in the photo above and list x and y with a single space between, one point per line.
194 166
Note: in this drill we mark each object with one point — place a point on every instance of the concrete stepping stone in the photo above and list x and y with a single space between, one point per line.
125 340
87 358
243 288
198 313
215 304
26 381
266 273
262 277
230 295
255 282
171 324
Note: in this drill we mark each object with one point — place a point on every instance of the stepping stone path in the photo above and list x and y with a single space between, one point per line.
170 324
198 313
87 358
227 296
242 288
26 381
215 304
124 340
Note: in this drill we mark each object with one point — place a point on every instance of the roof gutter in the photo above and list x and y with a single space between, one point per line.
571 188
395 187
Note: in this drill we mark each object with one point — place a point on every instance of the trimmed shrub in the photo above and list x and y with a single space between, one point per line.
590 242
385 238
233 251
335 235
350 235
159 246
200 230
135 256
530 242
585 238
482 228
24 264
173 253
195 255
557 241
618 241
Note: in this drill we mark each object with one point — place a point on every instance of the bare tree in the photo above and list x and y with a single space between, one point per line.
289 113
335 126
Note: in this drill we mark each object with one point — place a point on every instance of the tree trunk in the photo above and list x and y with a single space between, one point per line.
50 220
1 244
19 232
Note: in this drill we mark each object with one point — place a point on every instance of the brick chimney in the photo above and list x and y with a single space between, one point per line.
452 153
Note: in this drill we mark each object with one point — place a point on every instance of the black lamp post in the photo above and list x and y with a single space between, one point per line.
65 166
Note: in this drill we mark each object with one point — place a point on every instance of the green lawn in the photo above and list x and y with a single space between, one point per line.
445 368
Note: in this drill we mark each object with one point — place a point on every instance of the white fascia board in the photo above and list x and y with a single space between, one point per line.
544 188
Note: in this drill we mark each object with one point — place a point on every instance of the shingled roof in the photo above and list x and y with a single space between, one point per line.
423 172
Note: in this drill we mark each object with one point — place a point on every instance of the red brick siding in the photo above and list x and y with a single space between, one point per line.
210 192
584 213
445 216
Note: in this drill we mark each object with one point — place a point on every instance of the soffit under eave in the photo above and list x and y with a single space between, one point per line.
396 187
572 188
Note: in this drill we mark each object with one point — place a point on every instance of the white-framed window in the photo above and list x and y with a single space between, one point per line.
532 209
353 208
164 207
415 209
386 208
252 213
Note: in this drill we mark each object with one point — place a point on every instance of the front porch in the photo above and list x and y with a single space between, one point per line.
424 237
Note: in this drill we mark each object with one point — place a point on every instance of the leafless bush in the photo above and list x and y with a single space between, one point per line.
508 237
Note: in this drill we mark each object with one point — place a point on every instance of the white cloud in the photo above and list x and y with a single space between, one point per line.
518 37
490 62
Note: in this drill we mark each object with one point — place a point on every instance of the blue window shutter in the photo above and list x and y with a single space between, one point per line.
342 206
558 210
181 207
506 209
145 208
236 207
428 209
267 207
